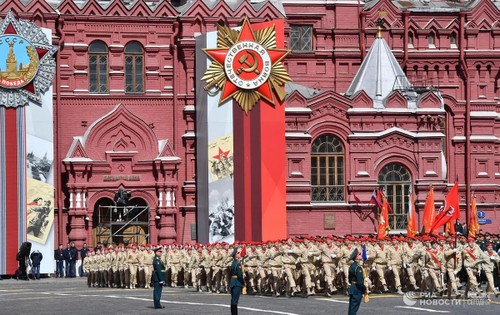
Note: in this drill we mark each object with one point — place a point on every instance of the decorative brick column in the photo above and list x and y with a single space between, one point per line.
167 210
76 214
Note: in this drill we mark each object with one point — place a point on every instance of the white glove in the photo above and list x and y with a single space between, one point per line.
455 250
374 267
290 251
269 272
390 268
162 283
493 258
367 257
333 255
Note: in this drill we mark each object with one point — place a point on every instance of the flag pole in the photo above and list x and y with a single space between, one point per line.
455 253
469 211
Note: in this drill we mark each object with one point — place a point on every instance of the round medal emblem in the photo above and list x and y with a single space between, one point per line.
18 62
247 65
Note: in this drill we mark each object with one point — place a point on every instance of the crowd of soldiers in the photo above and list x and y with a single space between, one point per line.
310 265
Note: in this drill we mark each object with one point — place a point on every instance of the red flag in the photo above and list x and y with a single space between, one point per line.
411 228
451 210
383 220
429 212
379 200
452 228
449 229
473 223
389 208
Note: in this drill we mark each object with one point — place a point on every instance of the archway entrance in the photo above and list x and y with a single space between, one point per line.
117 225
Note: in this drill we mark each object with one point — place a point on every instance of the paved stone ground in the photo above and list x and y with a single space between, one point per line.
72 296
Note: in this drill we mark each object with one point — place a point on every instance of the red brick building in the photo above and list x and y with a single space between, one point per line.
124 108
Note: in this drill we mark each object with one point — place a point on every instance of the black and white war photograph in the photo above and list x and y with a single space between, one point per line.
39 160
221 212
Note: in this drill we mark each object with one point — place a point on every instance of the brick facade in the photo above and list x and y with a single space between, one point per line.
93 130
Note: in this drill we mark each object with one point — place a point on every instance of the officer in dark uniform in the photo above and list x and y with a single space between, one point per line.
159 276
236 283
83 253
356 278
59 258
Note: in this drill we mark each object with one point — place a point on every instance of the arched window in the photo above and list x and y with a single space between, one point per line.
327 169
134 63
98 67
432 40
395 181
410 40
453 40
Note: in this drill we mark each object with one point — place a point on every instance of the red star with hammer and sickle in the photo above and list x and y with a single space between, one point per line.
221 154
219 55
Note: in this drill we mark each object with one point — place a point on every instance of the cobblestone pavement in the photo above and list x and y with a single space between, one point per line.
72 296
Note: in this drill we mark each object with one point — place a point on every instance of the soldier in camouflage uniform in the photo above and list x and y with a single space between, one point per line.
395 262
88 267
289 257
148 257
174 257
434 267
380 263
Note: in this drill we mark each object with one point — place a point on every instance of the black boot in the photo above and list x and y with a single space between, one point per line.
234 309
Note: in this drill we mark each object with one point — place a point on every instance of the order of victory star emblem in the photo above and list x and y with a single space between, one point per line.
27 66
247 66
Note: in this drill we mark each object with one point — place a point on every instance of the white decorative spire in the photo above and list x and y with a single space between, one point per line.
379 74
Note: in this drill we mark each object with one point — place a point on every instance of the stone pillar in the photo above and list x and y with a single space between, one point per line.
90 226
77 213
153 226
167 211
116 70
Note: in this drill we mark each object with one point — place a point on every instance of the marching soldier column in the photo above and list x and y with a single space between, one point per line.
307 265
